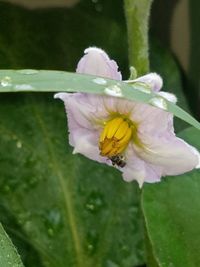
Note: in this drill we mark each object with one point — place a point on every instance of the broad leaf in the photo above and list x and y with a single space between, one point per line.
172 218
75 212
8 254
56 81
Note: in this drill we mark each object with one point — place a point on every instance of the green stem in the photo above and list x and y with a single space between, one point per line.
137 18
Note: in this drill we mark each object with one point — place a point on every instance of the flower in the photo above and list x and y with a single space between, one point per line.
136 138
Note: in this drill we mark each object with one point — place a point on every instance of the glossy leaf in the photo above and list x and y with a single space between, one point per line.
172 218
56 81
8 254
75 212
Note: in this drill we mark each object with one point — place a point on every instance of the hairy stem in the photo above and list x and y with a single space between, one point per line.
137 18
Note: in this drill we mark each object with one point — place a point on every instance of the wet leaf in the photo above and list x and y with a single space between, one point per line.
56 81
72 210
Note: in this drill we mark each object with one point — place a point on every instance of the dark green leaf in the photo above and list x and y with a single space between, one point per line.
172 218
74 212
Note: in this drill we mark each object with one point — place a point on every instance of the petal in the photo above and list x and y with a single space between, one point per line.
96 62
139 170
151 120
83 123
153 80
169 152
86 109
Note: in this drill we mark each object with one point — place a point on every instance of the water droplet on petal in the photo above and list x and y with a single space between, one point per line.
158 102
28 71
24 87
113 90
100 81
6 81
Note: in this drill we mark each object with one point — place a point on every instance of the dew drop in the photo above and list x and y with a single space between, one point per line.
100 81
7 188
92 241
111 263
90 248
6 81
94 202
24 87
113 90
52 221
158 102
28 71
19 144
98 7
125 250
50 232
143 89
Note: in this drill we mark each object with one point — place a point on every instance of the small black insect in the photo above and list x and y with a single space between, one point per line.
118 160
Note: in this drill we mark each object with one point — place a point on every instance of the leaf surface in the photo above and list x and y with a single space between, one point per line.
172 216
8 254
74 212
56 81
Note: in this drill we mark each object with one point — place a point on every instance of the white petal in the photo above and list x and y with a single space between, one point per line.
172 154
139 170
96 62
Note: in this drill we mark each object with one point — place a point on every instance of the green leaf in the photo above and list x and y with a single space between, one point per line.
172 218
75 212
56 81
8 254
163 62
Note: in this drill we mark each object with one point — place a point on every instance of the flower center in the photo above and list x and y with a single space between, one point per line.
115 136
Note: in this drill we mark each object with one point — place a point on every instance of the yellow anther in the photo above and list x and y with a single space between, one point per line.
113 126
115 137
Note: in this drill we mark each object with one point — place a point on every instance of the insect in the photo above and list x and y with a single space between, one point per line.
118 160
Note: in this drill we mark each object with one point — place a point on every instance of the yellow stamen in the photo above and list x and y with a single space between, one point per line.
115 136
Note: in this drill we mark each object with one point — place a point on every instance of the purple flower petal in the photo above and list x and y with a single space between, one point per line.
153 80
96 62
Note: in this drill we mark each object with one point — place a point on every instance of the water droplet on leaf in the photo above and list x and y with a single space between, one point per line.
113 90
6 81
100 81
111 263
94 202
50 232
92 241
19 144
28 71
158 102
24 87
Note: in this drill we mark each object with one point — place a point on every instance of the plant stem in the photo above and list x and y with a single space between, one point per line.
137 19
